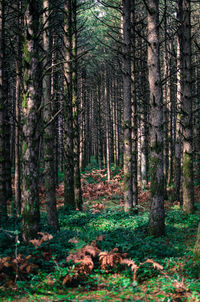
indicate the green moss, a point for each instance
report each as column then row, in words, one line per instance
column 27, row 54
column 187, row 169
column 25, row 146
column 157, row 185
column 47, row 136
column 48, row 185
column 28, row 182
column 157, row 147
column 26, row 214
column 152, row 10
column 24, row 100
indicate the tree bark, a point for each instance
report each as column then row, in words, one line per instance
column 48, row 139
column 197, row 245
column 18, row 114
column 107, row 117
column 68, row 115
column 128, row 189
column 3, row 205
column 188, row 186
column 157, row 215
column 75, row 102
column 177, row 161
column 31, row 124
column 134, row 112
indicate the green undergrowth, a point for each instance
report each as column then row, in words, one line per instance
column 93, row 170
column 128, row 233
column 177, row 281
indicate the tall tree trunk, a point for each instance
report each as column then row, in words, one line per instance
column 107, row 117
column 157, row 215
column 144, row 123
column 166, row 93
column 82, row 115
column 31, row 130
column 48, row 139
column 17, row 144
column 197, row 245
column 68, row 117
column 177, row 161
column 198, row 120
column 128, row 189
column 188, row 186
column 134, row 112
column 18, row 113
column 55, row 103
column 7, row 132
column 75, row 100
column 3, row 205
column 100, row 128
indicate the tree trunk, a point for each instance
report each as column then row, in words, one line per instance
column 68, row 117
column 48, row 139
column 197, row 245
column 188, row 186
column 128, row 189
column 31, row 118
column 177, row 161
column 107, row 117
column 157, row 215
column 3, row 205
column 76, row 137
column 7, row 96
column 18, row 114
column 134, row 119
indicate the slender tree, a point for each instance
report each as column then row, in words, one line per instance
column 75, row 102
column 48, row 139
column 3, row 206
column 157, row 215
column 17, row 110
column 107, row 120
column 31, row 125
column 177, row 160
column 128, row 190
column 134, row 109
column 188, row 185
column 68, row 114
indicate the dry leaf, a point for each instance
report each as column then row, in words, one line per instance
column 155, row 264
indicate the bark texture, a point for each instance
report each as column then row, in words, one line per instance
column 197, row 245
column 68, row 115
column 128, row 189
column 75, row 102
column 48, row 139
column 188, row 186
column 157, row 215
column 31, row 118
column 177, row 161
column 18, row 114
column 3, row 207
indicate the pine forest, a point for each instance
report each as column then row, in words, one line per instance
column 100, row 150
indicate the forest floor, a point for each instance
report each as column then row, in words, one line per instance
column 102, row 253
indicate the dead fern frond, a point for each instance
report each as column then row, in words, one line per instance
column 156, row 265
column 110, row 259
column 38, row 242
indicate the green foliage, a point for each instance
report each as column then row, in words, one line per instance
column 60, row 176
column 125, row 231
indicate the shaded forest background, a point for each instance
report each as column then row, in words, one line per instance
column 99, row 100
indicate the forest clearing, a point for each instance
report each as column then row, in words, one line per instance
column 99, row 150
